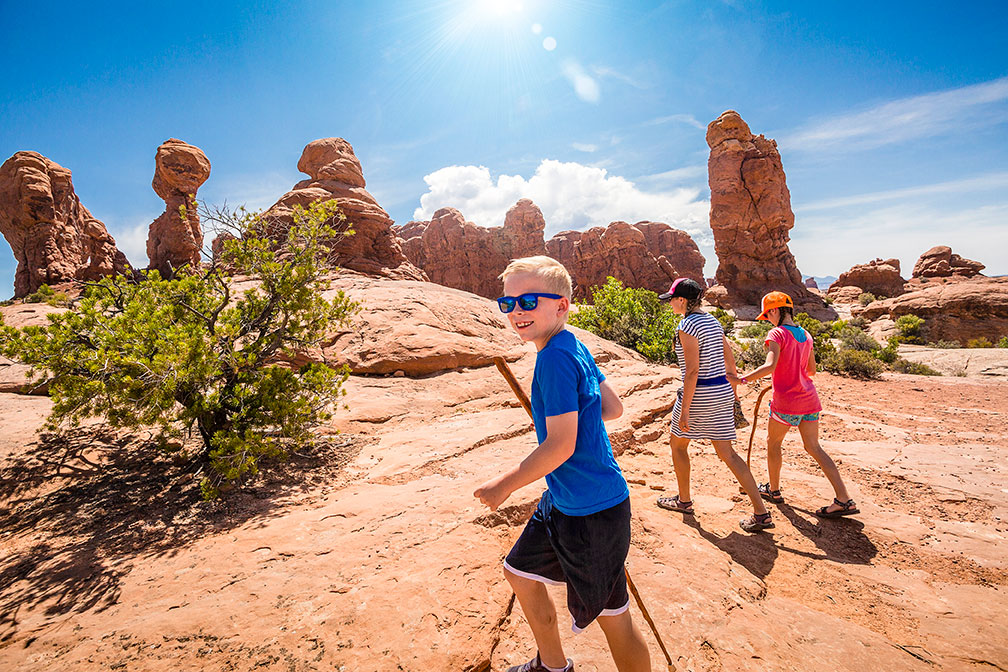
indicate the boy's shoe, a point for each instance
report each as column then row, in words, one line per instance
column 535, row 665
column 756, row 522
column 770, row 495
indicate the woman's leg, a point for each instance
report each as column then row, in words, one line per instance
column 681, row 464
column 739, row 467
column 775, row 437
column 809, row 431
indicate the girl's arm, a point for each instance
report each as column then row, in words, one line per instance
column 612, row 407
column 810, row 366
column 691, row 371
column 772, row 357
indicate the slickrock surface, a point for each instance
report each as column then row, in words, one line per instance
column 54, row 238
column 175, row 240
column 646, row 254
column 880, row 277
column 463, row 255
column 940, row 262
column 751, row 217
column 336, row 173
column 371, row 553
column 952, row 311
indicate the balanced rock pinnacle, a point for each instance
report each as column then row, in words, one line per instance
column 175, row 238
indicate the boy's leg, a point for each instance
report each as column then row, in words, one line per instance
column 809, row 431
column 681, row 464
column 626, row 644
column 776, row 432
column 739, row 467
column 541, row 616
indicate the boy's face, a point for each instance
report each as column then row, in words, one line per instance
column 545, row 320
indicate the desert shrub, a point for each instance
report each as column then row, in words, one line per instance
column 865, row 298
column 821, row 335
column 46, row 294
column 726, row 319
column 855, row 339
column 947, row 345
column 917, row 368
column 758, row 330
column 8, row 302
column 910, row 328
column 889, row 353
column 750, row 356
column 634, row 318
column 828, row 300
column 858, row 322
column 981, row 342
column 1003, row 342
column 186, row 357
column 852, row 363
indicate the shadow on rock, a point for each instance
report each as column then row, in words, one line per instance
column 839, row 539
column 78, row 510
column 756, row 552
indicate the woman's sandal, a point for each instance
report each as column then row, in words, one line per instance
column 756, row 522
column 848, row 508
column 675, row 504
column 770, row 495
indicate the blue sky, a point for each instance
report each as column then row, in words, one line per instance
column 892, row 118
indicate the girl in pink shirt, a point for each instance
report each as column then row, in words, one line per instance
column 791, row 362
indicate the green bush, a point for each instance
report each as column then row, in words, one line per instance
column 186, row 357
column 821, row 335
column 750, row 356
column 758, row 330
column 889, row 354
column 726, row 319
column 948, row 345
column 910, row 328
column 634, row 318
column 46, row 294
column 828, row 300
column 852, row 363
column 859, row 322
column 981, row 342
column 865, row 298
column 854, row 339
column 1003, row 342
column 917, row 368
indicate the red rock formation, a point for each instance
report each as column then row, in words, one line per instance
column 881, row 277
column 175, row 238
column 811, row 283
column 54, row 238
column 647, row 254
column 939, row 262
column 336, row 174
column 751, row 216
column 463, row 255
column 956, row 311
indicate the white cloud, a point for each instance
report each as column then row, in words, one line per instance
column 604, row 71
column 971, row 184
column 584, row 146
column 686, row 173
column 586, row 88
column 677, row 118
column 570, row 195
column 906, row 119
column 131, row 239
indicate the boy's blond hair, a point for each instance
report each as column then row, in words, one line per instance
column 554, row 276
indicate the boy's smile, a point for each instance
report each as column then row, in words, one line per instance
column 544, row 321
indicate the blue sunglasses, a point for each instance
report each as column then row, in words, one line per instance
column 526, row 301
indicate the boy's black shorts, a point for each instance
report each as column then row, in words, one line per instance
column 587, row 553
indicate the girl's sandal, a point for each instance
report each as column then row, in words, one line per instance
column 675, row 504
column 756, row 522
column 848, row 508
column 766, row 493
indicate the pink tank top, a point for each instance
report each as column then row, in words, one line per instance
column 793, row 390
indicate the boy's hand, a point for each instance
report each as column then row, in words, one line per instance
column 493, row 493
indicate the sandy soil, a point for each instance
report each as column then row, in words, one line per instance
column 369, row 553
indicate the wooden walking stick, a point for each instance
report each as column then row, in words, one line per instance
column 752, row 433
column 523, row 399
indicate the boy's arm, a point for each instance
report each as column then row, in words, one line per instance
column 561, row 436
column 612, row 407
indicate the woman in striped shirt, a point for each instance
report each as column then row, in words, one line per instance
column 704, row 404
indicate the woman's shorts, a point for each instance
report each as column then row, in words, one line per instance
column 587, row 553
column 794, row 420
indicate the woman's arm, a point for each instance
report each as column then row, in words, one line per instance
column 612, row 407
column 691, row 371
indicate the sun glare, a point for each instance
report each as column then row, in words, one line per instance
column 500, row 7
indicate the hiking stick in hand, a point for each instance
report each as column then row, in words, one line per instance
column 523, row 399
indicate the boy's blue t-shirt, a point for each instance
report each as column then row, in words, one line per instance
column 567, row 379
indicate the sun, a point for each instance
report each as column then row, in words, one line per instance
column 500, row 8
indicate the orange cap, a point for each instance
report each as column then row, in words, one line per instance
column 775, row 300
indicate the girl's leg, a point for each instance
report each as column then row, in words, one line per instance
column 541, row 616
column 739, row 467
column 680, row 462
column 775, row 437
column 810, row 437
